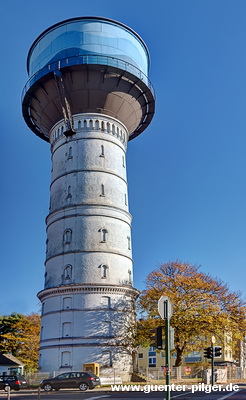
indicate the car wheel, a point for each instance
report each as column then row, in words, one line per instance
column 83, row 386
column 48, row 387
column 7, row 387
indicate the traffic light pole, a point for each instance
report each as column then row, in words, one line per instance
column 212, row 365
column 167, row 328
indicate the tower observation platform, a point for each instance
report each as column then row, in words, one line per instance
column 88, row 94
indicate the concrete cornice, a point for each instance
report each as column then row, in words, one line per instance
column 87, row 288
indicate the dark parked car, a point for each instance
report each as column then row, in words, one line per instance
column 15, row 382
column 75, row 380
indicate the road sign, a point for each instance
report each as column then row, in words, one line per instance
column 165, row 307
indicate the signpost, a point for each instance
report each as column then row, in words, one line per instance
column 165, row 311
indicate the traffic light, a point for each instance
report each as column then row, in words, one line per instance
column 217, row 351
column 208, row 352
column 157, row 338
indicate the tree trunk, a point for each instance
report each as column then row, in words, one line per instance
column 179, row 358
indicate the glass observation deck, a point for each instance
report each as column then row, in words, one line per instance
column 88, row 36
column 87, row 43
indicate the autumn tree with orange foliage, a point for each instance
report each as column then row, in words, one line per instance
column 19, row 336
column 202, row 306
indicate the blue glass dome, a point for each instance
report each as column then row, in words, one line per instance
column 88, row 36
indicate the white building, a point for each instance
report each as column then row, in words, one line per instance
column 87, row 103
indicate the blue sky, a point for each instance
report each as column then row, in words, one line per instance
column 186, row 172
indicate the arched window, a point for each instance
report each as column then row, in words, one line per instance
column 104, row 271
column 105, row 301
column 66, row 329
column 67, row 303
column 104, row 234
column 67, row 273
column 66, row 359
column 67, row 236
column 79, row 124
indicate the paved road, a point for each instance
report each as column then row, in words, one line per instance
column 103, row 395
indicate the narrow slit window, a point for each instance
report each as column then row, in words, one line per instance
column 123, row 161
column 102, row 151
column 130, row 276
column 69, row 192
column 70, row 152
column 102, row 191
column 125, row 199
column 129, row 242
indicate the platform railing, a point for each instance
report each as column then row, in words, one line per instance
column 88, row 59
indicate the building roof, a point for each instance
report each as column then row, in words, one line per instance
column 9, row 359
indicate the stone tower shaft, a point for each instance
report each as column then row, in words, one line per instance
column 88, row 95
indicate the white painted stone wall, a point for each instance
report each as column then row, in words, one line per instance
column 88, row 298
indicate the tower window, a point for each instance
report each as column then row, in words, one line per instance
column 70, row 152
column 107, row 359
column 66, row 329
column 130, row 276
column 129, row 242
column 67, row 273
column 67, row 236
column 125, row 199
column 67, row 303
column 69, row 192
column 106, row 301
column 66, row 359
column 104, row 234
column 104, row 271
column 123, row 161
column 102, row 151
column 107, row 328
column 102, row 191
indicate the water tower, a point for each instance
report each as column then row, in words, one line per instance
column 88, row 95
